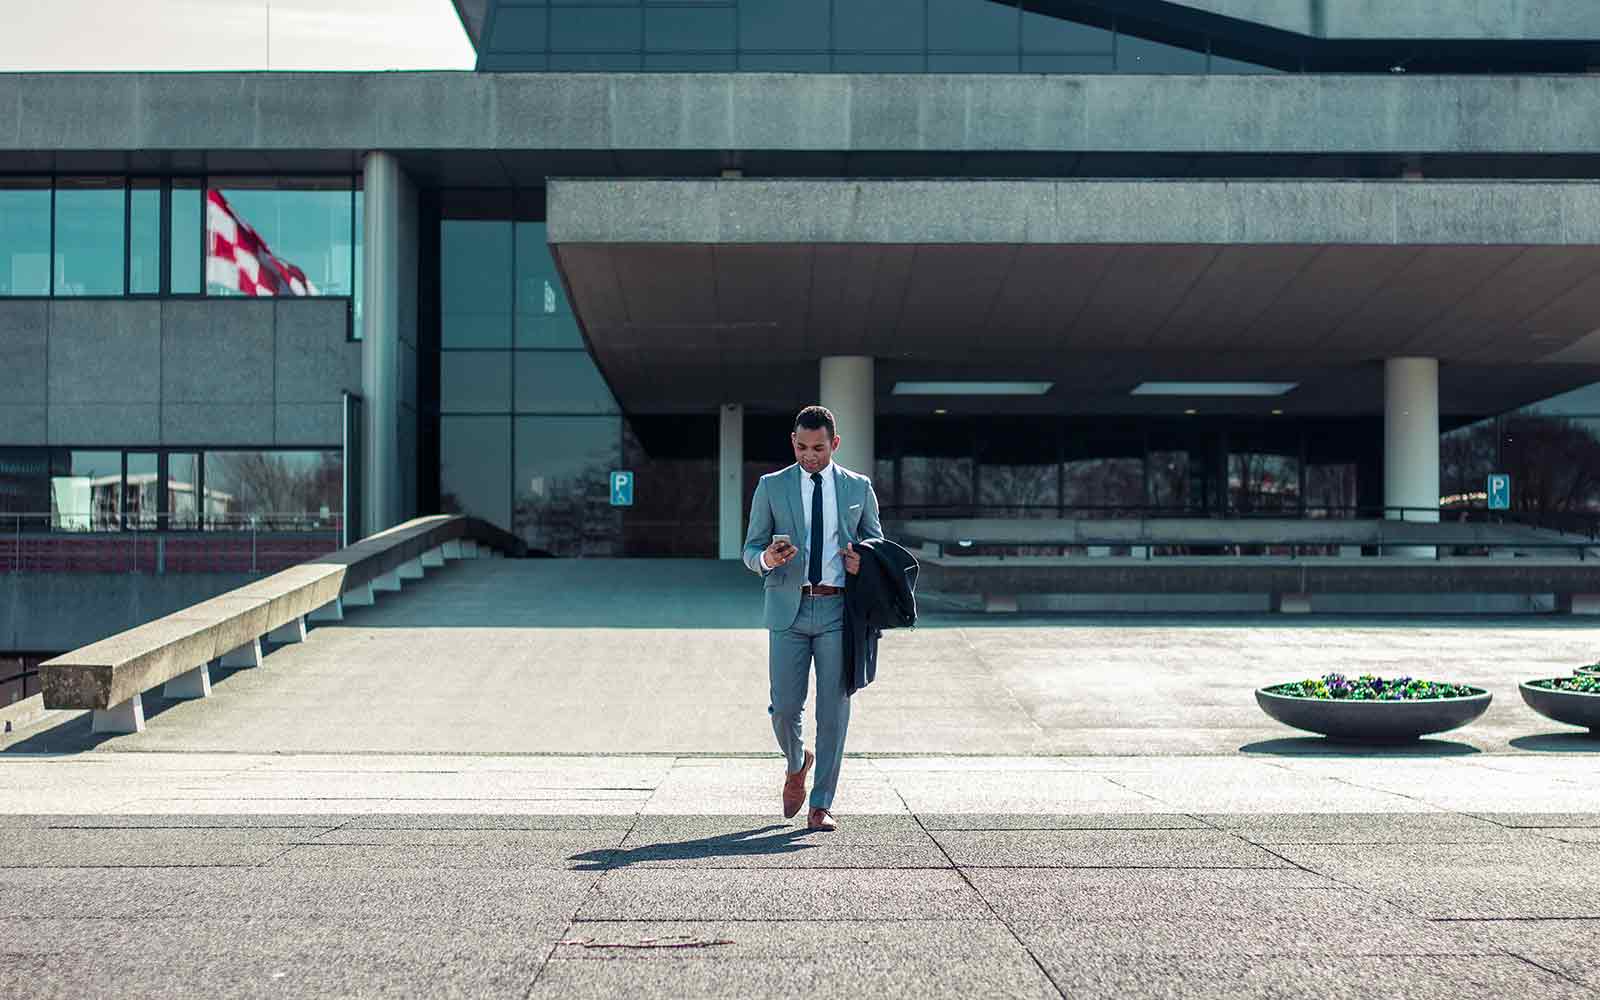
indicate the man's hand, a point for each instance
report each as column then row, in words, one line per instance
column 852, row 559
column 779, row 553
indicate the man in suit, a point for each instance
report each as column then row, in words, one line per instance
column 824, row 510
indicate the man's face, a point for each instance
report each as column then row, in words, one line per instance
column 812, row 448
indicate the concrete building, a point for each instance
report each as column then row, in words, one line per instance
column 1046, row 259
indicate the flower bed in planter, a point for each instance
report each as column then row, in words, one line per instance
column 1574, row 700
column 1373, row 709
column 1592, row 670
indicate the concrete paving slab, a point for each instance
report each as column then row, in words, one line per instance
column 490, row 850
column 119, row 893
column 1071, row 821
column 676, row 894
column 469, row 898
column 1531, row 878
column 1360, row 828
column 1348, row 923
column 278, row 976
column 113, row 848
column 471, row 821
column 876, row 842
column 1103, row 849
column 1537, row 820
column 862, row 967
column 1353, row 978
column 1044, row 894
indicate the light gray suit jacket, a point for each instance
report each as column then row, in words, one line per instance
column 776, row 510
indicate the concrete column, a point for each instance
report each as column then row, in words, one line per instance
column 848, row 390
column 380, row 346
column 730, row 482
column 1411, row 443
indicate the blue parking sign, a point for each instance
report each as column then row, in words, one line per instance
column 1499, row 491
column 622, row 489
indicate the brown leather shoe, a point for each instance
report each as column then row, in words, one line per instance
column 821, row 819
column 794, row 788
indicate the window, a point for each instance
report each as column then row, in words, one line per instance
column 141, row 492
column 782, row 25
column 144, row 237
column 183, row 489
column 544, row 319
column 475, row 283
column 689, row 29
column 90, row 219
column 972, row 26
column 24, row 237
column 475, row 467
column 85, row 490
column 563, row 501
column 595, row 29
column 184, row 242
column 24, row 481
column 277, row 490
column 879, row 26
column 306, row 224
column 560, row 382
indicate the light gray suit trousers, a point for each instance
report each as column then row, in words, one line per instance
column 803, row 631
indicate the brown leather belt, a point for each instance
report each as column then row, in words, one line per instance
column 820, row 590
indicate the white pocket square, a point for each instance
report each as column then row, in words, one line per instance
column 854, row 506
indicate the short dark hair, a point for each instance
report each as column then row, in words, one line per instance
column 815, row 418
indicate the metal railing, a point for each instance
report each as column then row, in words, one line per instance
column 219, row 543
column 1570, row 522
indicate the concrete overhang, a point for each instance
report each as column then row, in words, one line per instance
column 492, row 114
column 1463, row 20
column 694, row 292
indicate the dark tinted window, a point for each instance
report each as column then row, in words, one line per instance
column 882, row 25
column 668, row 29
column 1045, row 32
column 594, row 62
column 783, row 24
column 784, row 62
column 692, row 62
column 879, row 62
column 1141, row 55
column 595, row 29
column 945, row 62
column 519, row 29
column 475, row 283
column 971, row 25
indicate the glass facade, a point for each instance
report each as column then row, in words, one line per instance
column 1082, row 467
column 821, row 36
column 528, row 431
column 117, row 236
column 307, row 223
column 25, row 207
column 148, row 489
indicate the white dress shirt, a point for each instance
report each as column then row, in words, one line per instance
column 832, row 561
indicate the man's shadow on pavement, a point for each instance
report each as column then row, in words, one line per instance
column 724, row 845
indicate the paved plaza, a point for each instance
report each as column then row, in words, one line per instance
column 489, row 787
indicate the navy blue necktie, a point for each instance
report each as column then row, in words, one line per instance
column 814, row 571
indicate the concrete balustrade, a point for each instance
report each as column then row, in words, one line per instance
column 109, row 676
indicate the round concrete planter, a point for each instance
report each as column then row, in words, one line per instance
column 1593, row 670
column 1572, row 707
column 1373, row 721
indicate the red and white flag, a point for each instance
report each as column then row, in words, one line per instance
column 238, row 258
